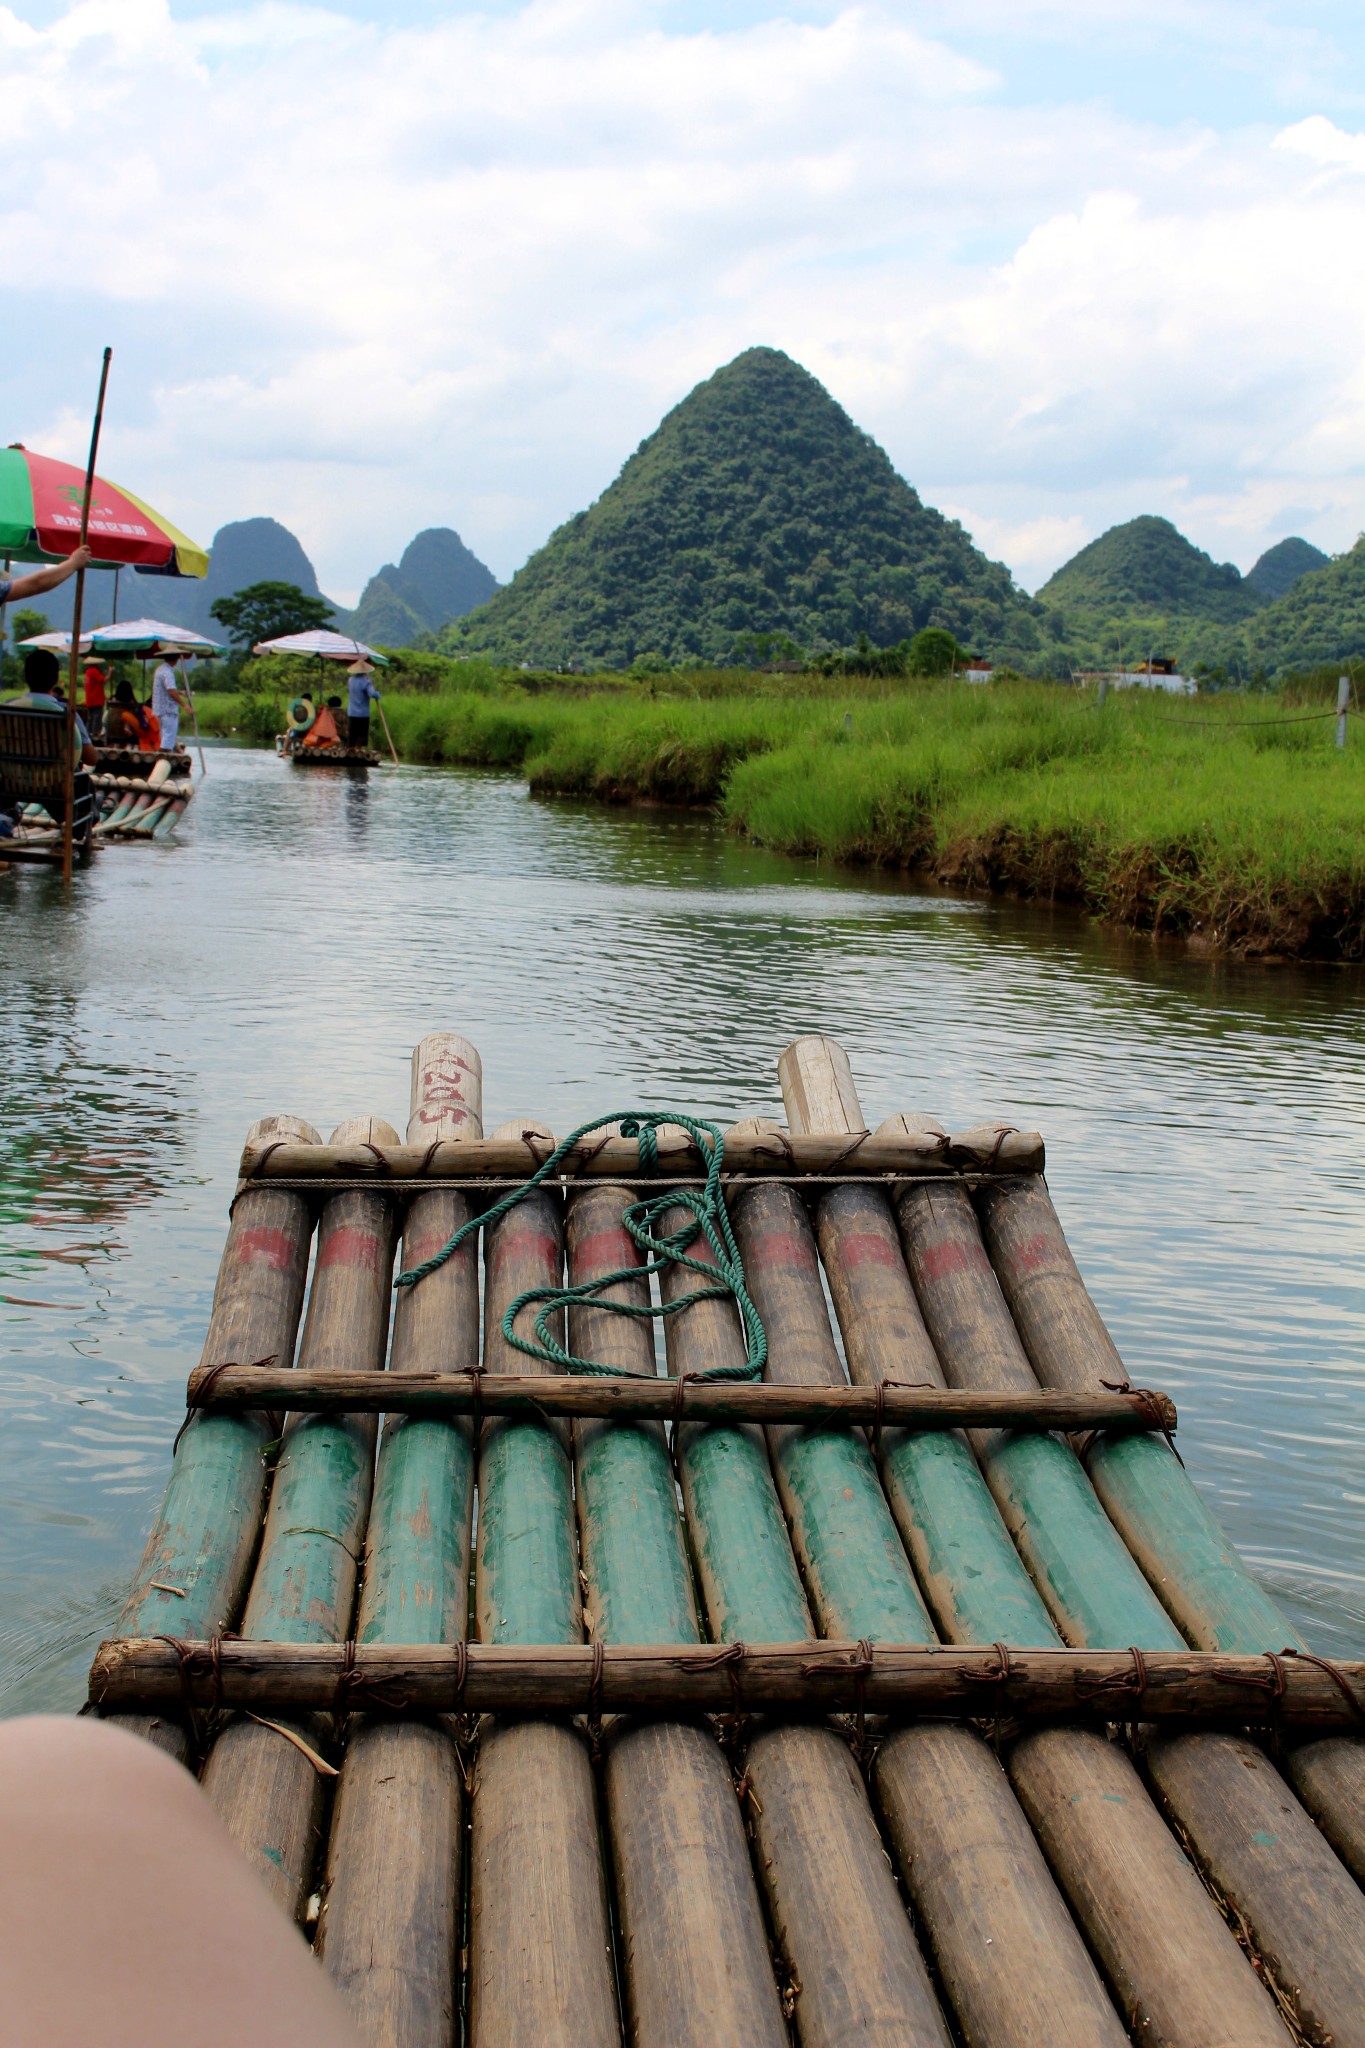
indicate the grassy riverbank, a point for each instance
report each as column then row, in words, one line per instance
column 1212, row 818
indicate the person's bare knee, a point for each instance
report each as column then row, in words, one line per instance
column 129, row 1915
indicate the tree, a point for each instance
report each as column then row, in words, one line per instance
column 267, row 611
column 933, row 652
column 27, row 625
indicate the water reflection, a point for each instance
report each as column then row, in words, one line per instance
column 1204, row 1119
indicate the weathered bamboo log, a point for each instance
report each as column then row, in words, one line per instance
column 1007, row 1954
column 266, row 1788
column 976, row 1585
column 194, row 1570
column 389, row 1928
column 852, row 1560
column 1093, row 1589
column 1329, row 1777
column 1091, row 1843
column 1302, row 1911
column 832, row 1899
column 698, row 1678
column 1171, row 1961
column 1147, row 1494
column 539, row 1941
column 695, row 1957
column 462, row 1392
column 613, row 1159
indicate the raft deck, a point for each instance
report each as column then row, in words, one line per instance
column 909, row 1696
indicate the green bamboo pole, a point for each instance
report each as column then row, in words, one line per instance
column 540, row 1940
column 973, row 1578
column 1165, row 1951
column 197, row 1562
column 832, row 1899
column 389, row 1930
column 266, row 1787
column 852, row 1560
column 1147, row 1493
column 694, row 1949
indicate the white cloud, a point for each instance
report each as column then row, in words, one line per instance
column 367, row 278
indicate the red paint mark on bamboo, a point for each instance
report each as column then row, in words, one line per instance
column 602, row 1251
column 867, row 1248
column 774, row 1249
column 511, row 1244
column 949, row 1256
column 349, row 1246
column 264, row 1246
column 1038, row 1254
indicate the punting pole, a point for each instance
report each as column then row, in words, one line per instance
column 267, row 1789
column 68, row 826
column 389, row 1929
column 846, row 1941
column 540, row 1937
column 694, row 1948
column 194, row 1570
column 1008, row 1957
column 1167, row 1956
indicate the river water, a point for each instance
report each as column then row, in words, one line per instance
column 1205, row 1120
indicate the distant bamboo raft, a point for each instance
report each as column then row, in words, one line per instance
column 936, row 1598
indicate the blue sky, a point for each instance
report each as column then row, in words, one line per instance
column 370, row 270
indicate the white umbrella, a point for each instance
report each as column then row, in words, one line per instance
column 60, row 643
column 327, row 646
column 151, row 636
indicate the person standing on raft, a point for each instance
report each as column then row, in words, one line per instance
column 166, row 701
column 361, row 695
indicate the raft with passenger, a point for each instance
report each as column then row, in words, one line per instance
column 312, row 739
column 872, row 1670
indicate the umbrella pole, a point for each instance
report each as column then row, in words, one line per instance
column 69, row 823
column 379, row 706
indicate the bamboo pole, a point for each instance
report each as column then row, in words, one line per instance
column 540, row 1939
column 1174, row 1967
column 832, row 1899
column 389, row 1927
column 387, row 734
column 266, row 1787
column 1093, row 1589
column 615, row 1158
column 73, row 664
column 1147, row 1494
column 1173, row 1935
column 976, row 1585
column 1329, row 1777
column 460, row 1393
column 852, row 1560
column 694, row 1950
column 1302, row 1911
column 197, row 1561
column 655, row 1677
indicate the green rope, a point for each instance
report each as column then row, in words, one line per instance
column 707, row 1217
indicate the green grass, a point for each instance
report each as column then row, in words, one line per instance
column 1190, row 817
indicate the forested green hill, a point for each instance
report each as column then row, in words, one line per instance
column 1321, row 620
column 1147, row 570
column 757, row 507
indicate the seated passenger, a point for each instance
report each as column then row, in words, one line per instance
column 323, row 731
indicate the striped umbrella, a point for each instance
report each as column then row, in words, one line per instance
column 40, row 520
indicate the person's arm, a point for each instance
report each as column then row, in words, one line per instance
column 48, row 578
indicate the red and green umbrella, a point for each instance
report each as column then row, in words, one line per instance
column 40, row 520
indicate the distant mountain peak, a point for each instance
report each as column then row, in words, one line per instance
column 437, row 579
column 1146, row 568
column 1282, row 566
column 756, row 506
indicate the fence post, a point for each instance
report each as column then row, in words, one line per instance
column 1343, row 699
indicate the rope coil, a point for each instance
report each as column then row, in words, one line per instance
column 707, row 1218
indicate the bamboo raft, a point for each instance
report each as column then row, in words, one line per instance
column 910, row 1697
column 142, row 805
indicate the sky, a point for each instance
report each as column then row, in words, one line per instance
column 369, row 268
